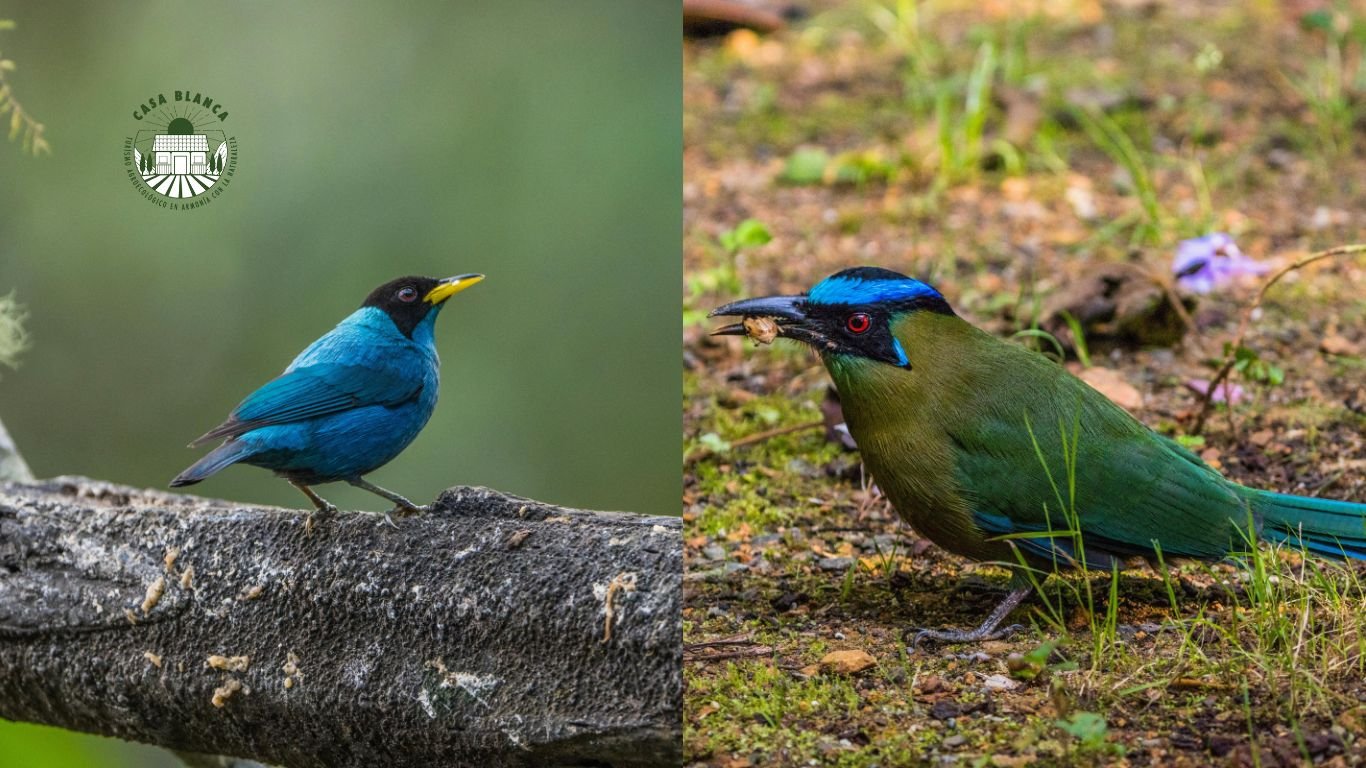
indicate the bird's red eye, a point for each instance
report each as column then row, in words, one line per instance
column 859, row 322
column 407, row 293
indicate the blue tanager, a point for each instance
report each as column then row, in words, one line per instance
column 349, row 403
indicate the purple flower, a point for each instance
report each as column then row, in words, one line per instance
column 1224, row 393
column 1203, row 264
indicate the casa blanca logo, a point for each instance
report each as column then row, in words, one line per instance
column 180, row 157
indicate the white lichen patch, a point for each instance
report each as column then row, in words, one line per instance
column 456, row 557
column 425, row 699
column 356, row 672
column 477, row 686
column 515, row 736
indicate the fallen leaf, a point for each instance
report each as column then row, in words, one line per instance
column 1339, row 345
column 1111, row 383
column 1211, row 457
column 999, row 683
column 847, row 662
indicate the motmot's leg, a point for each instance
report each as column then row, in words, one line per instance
column 401, row 505
column 987, row 631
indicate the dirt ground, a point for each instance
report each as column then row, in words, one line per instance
column 1022, row 157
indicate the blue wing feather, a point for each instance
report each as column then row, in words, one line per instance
column 317, row 390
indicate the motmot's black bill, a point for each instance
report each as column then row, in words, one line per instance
column 787, row 312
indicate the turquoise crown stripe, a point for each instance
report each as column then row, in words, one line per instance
column 845, row 290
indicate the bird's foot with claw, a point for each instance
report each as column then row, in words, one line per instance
column 409, row 510
column 319, row 514
column 979, row 635
column 401, row 510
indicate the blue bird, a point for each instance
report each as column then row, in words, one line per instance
column 349, row 403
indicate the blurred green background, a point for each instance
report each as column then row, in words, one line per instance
column 536, row 142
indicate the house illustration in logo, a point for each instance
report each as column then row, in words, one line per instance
column 180, row 150
column 180, row 163
column 179, row 157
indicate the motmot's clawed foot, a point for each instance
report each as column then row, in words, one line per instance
column 990, row 629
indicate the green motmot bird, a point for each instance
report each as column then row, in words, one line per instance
column 981, row 444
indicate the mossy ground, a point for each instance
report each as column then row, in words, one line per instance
column 1234, row 126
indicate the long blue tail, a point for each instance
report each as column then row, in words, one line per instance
column 230, row 452
column 1324, row 526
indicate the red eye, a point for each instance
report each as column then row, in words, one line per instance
column 859, row 322
column 407, row 293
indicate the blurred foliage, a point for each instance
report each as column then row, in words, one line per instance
column 13, row 339
column 537, row 143
column 21, row 123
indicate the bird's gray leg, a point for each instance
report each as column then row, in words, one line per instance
column 319, row 503
column 987, row 631
column 321, row 507
column 401, row 505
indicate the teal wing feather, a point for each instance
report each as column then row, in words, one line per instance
column 317, row 390
column 1129, row 486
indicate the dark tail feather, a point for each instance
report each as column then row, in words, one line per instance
column 230, row 452
column 1324, row 526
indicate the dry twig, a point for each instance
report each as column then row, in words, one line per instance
column 1231, row 357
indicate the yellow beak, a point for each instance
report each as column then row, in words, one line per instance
column 451, row 286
